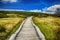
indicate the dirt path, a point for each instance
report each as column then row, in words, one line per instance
column 28, row 31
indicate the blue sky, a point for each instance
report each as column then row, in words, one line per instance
column 27, row 4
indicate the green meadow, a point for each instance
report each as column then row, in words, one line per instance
column 49, row 24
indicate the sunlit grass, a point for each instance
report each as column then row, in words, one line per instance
column 9, row 22
column 11, row 25
column 50, row 26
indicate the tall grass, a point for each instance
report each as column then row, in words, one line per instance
column 50, row 26
column 10, row 25
column 10, row 20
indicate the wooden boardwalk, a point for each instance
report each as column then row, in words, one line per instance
column 27, row 32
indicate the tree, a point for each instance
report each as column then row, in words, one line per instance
column 2, row 29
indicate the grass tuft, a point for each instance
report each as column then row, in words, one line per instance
column 50, row 26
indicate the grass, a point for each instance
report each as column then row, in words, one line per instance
column 11, row 25
column 9, row 22
column 16, row 15
column 50, row 26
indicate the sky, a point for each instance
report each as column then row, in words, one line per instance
column 32, row 5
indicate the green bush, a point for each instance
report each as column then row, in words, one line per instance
column 58, row 34
column 3, row 15
column 2, row 29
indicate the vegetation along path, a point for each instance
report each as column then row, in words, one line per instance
column 28, row 31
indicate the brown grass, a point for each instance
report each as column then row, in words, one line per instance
column 49, row 26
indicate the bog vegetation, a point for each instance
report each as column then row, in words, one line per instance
column 9, row 23
column 50, row 26
column 11, row 20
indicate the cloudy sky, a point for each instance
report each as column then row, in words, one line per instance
column 35, row 5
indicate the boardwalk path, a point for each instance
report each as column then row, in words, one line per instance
column 27, row 32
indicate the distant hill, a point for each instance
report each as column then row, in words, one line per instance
column 57, row 12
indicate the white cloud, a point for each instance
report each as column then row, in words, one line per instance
column 13, row 0
column 53, row 8
column 22, row 10
column 9, row 0
column 5, row 0
column 11, row 10
column 36, row 10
